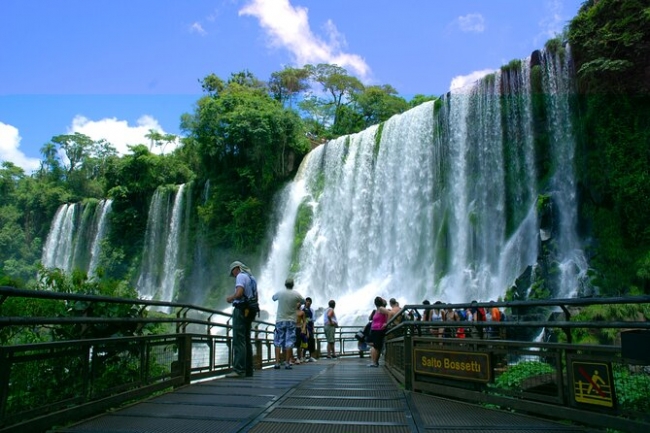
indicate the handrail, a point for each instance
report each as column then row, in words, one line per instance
column 555, row 374
column 180, row 356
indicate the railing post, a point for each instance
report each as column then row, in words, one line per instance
column 5, row 368
column 184, row 366
column 408, row 359
column 257, row 358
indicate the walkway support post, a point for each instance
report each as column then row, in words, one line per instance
column 185, row 358
column 408, row 359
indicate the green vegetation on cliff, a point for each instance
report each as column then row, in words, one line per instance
column 611, row 47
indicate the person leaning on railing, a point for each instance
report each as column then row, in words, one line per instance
column 378, row 330
column 330, row 322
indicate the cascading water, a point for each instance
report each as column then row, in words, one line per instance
column 557, row 84
column 105, row 208
column 162, row 261
column 74, row 241
column 57, row 252
column 439, row 203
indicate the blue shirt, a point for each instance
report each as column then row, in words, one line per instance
column 243, row 280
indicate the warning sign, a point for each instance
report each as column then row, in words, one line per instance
column 593, row 383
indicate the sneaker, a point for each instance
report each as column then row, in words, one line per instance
column 276, row 366
column 311, row 360
column 288, row 367
column 235, row 375
column 373, row 365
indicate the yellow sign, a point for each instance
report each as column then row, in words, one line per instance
column 593, row 383
column 458, row 365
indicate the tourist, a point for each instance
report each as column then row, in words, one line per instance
column 311, row 340
column 330, row 323
column 301, row 334
column 285, row 323
column 242, row 318
column 378, row 330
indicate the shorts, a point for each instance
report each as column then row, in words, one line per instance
column 329, row 333
column 377, row 338
column 285, row 334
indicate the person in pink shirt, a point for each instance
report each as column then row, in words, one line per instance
column 378, row 330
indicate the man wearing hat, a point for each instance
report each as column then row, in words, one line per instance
column 285, row 322
column 245, row 288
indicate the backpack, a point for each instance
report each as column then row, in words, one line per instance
column 462, row 314
column 252, row 304
column 480, row 314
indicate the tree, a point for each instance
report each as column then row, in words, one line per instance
column 76, row 147
column 421, row 99
column 212, row 85
column 248, row 145
column 154, row 138
column 50, row 165
column 246, row 78
column 378, row 103
column 610, row 40
column 286, row 84
column 337, row 83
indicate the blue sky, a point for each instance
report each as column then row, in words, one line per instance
column 114, row 69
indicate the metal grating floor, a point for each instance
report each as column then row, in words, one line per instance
column 330, row 396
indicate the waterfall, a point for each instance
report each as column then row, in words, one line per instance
column 105, row 208
column 438, row 203
column 57, row 252
column 171, row 270
column 161, row 267
column 74, row 240
column 557, row 85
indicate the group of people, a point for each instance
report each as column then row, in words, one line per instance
column 294, row 327
column 294, row 324
column 375, row 330
column 472, row 314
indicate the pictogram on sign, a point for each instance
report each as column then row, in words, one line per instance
column 593, row 383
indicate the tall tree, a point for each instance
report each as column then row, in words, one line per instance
column 76, row 148
column 336, row 82
column 286, row 84
column 378, row 103
column 154, row 137
column 246, row 142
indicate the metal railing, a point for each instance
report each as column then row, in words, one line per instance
column 603, row 385
column 49, row 383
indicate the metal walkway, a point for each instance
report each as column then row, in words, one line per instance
column 322, row 397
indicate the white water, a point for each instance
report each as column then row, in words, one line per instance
column 57, row 251
column 432, row 213
column 104, row 210
column 74, row 240
column 160, row 269
column 171, row 269
column 443, row 207
column 573, row 262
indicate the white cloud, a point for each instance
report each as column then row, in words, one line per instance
column 288, row 27
column 461, row 81
column 471, row 23
column 197, row 28
column 119, row 133
column 9, row 149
